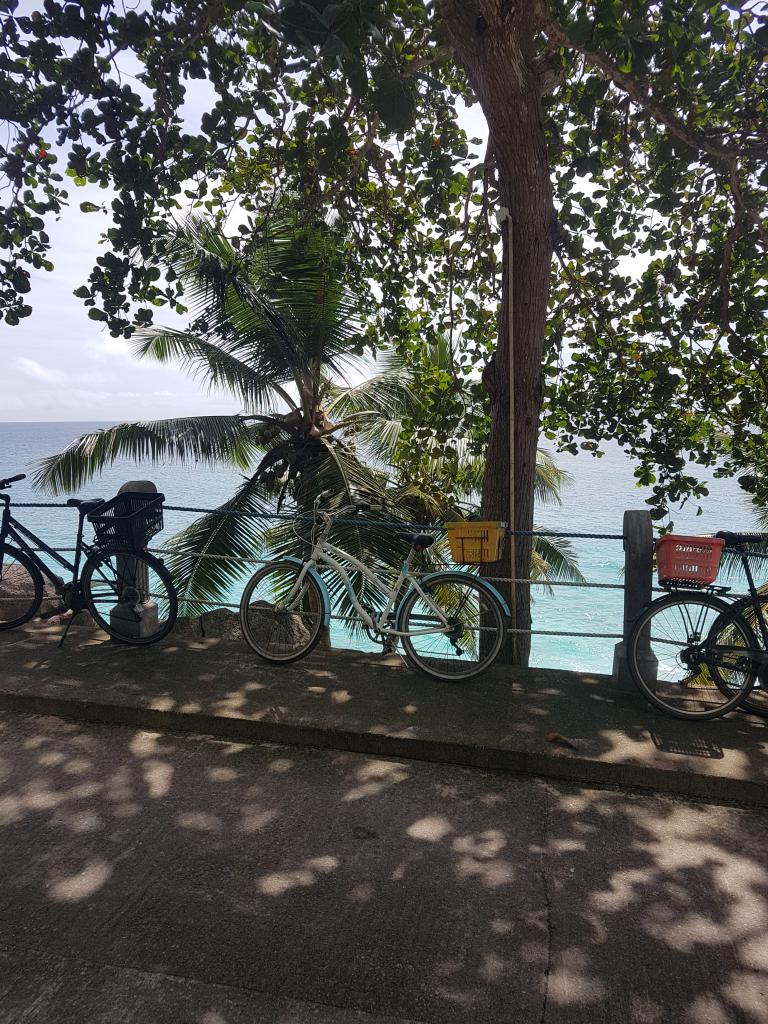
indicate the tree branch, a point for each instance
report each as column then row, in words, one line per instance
column 734, row 232
column 640, row 94
column 726, row 155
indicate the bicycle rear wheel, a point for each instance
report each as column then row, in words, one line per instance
column 678, row 666
column 130, row 594
column 21, row 588
column 281, row 626
column 477, row 625
column 756, row 701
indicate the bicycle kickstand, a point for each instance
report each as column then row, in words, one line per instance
column 67, row 629
column 390, row 647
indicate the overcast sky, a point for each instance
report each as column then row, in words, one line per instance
column 59, row 365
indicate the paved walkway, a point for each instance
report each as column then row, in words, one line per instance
column 349, row 701
column 156, row 879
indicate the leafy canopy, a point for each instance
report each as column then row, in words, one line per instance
column 655, row 117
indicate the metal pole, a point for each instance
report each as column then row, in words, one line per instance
column 508, row 242
column 638, row 591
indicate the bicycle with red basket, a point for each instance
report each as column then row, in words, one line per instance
column 694, row 653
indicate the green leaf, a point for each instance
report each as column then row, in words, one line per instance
column 393, row 100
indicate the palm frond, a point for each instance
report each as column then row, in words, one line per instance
column 389, row 391
column 756, row 552
column 212, row 364
column 549, row 479
column 301, row 274
column 206, row 557
column 224, row 440
column 553, row 558
column 203, row 259
column 225, row 292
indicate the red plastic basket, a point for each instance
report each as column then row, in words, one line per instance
column 690, row 561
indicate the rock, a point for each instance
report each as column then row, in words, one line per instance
column 16, row 590
column 188, row 625
column 282, row 627
column 285, row 627
column 220, row 622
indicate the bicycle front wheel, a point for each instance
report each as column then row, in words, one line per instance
column 130, row 594
column 680, row 668
column 21, row 588
column 455, row 629
column 281, row 618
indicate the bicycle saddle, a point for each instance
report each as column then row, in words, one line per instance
column 85, row 505
column 421, row 541
column 733, row 540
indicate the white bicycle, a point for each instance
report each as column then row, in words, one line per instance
column 451, row 624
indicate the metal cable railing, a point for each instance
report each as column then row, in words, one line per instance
column 395, row 526
column 392, row 524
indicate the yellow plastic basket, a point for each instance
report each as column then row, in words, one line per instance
column 475, row 543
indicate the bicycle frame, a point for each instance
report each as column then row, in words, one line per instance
column 754, row 601
column 328, row 555
column 27, row 541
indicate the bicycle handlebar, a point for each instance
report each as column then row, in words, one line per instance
column 12, row 480
column 736, row 539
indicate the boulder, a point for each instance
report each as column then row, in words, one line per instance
column 221, row 622
column 282, row 627
column 188, row 626
column 16, row 589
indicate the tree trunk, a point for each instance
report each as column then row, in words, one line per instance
column 494, row 42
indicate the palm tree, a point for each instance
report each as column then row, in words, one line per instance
column 275, row 327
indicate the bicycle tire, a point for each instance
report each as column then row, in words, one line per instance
column 252, row 625
column 152, row 564
column 36, row 577
column 643, row 671
column 494, row 608
column 756, row 701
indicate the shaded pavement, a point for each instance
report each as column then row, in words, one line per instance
column 166, row 879
column 353, row 701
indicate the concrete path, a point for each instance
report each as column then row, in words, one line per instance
column 152, row 879
column 352, row 701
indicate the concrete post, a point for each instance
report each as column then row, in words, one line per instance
column 638, row 584
column 134, row 574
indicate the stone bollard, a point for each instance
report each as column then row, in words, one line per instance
column 638, row 584
column 134, row 574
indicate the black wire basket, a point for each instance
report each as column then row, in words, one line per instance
column 131, row 518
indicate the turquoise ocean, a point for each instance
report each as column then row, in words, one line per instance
column 593, row 502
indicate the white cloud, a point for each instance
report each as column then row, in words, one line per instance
column 105, row 349
column 35, row 371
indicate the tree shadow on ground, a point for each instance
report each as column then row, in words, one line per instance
column 170, row 879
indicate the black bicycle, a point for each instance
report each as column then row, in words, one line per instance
column 128, row 592
column 700, row 655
